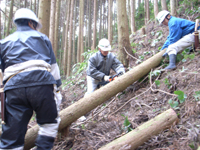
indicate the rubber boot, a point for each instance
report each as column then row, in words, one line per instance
column 44, row 142
column 172, row 62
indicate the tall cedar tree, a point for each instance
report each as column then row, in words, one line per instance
column 123, row 33
column 44, row 16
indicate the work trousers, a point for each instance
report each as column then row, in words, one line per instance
column 181, row 44
column 20, row 104
column 92, row 85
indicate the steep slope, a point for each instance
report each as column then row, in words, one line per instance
column 142, row 101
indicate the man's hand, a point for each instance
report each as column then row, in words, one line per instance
column 106, row 78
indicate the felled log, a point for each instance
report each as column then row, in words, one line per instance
column 142, row 133
column 91, row 101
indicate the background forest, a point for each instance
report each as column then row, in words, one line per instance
column 75, row 27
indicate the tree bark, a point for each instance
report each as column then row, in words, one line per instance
column 95, row 25
column 142, row 133
column 147, row 16
column 80, row 49
column 110, row 20
column 66, row 39
column 44, row 15
column 10, row 18
column 173, row 7
column 100, row 20
column 89, row 24
column 56, row 27
column 132, row 3
column 74, row 39
column 164, row 5
column 35, row 7
column 155, row 8
column 0, row 21
column 86, row 104
column 69, row 61
column 52, row 24
column 123, row 33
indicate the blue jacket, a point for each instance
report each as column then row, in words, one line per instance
column 177, row 29
column 22, row 50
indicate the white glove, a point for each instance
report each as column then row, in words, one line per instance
column 106, row 78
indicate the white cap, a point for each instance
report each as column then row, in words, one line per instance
column 104, row 45
column 25, row 13
column 161, row 16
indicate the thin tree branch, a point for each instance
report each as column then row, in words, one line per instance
column 4, row 13
column 131, row 55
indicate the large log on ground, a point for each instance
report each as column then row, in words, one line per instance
column 86, row 104
column 142, row 133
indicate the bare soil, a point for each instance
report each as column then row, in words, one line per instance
column 144, row 99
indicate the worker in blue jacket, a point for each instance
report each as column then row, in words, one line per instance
column 180, row 36
column 31, row 83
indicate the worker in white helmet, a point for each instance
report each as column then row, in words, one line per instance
column 31, row 79
column 99, row 66
column 180, row 36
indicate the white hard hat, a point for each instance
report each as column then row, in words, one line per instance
column 24, row 13
column 104, row 45
column 161, row 16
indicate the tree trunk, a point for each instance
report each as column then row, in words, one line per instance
column 132, row 16
column 89, row 24
column 147, row 16
column 56, row 28
column 37, row 10
column 110, row 20
column 63, row 3
column 25, row 4
column 164, row 5
column 95, row 25
column 10, row 18
column 5, row 19
column 173, row 7
column 31, row 5
column 155, row 8
column 74, row 38
column 82, row 31
column 44, row 16
column 141, row 134
column 69, row 61
column 66, row 39
column 100, row 20
column 35, row 7
column 80, row 36
column 139, row 2
column 129, row 13
column 0, row 21
column 123, row 34
column 86, row 104
column 52, row 24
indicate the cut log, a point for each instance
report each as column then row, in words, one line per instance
column 198, row 148
column 142, row 133
column 91, row 101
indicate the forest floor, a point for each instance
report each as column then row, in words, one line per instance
column 106, row 126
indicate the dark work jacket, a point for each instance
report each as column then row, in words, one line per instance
column 99, row 65
column 23, row 46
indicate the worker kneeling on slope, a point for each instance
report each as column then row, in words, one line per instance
column 180, row 36
column 31, row 80
column 99, row 66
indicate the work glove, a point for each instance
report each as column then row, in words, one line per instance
column 106, row 78
column 119, row 74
